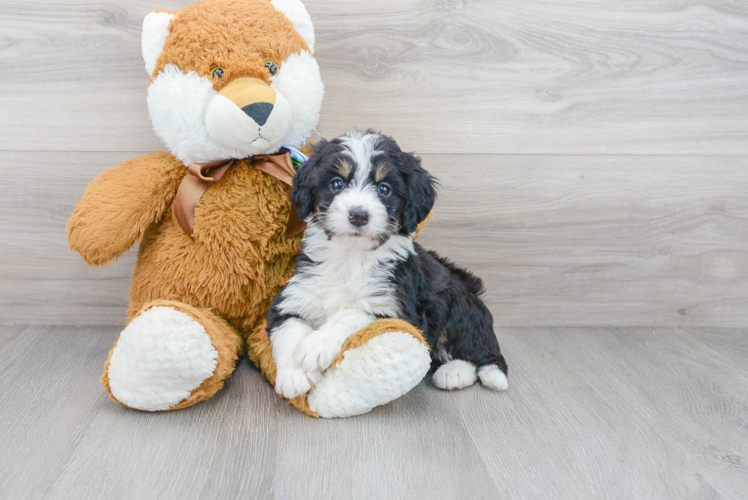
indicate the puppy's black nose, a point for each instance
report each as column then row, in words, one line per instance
column 358, row 217
column 259, row 112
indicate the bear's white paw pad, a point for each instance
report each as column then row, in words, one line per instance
column 160, row 358
column 291, row 382
column 454, row 375
column 383, row 369
column 493, row 378
column 315, row 352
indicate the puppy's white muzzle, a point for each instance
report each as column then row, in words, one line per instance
column 357, row 199
column 248, row 115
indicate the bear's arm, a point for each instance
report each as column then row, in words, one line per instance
column 120, row 204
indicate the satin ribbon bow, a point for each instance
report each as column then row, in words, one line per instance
column 203, row 175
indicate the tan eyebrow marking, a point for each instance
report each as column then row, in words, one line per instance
column 381, row 173
column 344, row 169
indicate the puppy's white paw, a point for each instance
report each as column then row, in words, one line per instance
column 316, row 352
column 454, row 375
column 291, row 382
column 493, row 378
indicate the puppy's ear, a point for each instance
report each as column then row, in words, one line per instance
column 302, row 193
column 420, row 193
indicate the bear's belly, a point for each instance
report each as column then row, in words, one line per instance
column 237, row 259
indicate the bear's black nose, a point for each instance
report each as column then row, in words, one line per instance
column 358, row 217
column 259, row 111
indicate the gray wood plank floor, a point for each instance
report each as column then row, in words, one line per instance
column 590, row 413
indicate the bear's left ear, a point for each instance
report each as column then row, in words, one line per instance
column 295, row 11
column 155, row 31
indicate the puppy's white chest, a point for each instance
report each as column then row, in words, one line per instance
column 339, row 279
column 353, row 281
column 356, row 282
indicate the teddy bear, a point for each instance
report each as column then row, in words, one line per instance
column 234, row 94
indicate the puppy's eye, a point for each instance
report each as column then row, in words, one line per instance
column 337, row 184
column 272, row 67
column 384, row 190
column 217, row 73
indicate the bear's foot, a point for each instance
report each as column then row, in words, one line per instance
column 377, row 365
column 169, row 357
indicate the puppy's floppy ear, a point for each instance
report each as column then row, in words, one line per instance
column 302, row 194
column 420, row 193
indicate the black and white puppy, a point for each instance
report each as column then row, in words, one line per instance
column 362, row 198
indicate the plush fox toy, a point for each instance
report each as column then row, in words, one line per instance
column 234, row 92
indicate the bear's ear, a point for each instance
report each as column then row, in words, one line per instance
column 295, row 11
column 155, row 31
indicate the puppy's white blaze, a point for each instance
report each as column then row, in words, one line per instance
column 360, row 147
column 493, row 378
column 456, row 374
column 340, row 278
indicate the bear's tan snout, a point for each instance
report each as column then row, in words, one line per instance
column 249, row 116
column 247, row 92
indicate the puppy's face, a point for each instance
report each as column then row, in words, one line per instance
column 361, row 189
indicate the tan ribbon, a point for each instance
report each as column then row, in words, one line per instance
column 203, row 175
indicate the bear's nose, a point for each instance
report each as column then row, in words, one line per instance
column 259, row 111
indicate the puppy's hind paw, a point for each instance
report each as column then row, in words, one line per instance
column 493, row 378
column 455, row 375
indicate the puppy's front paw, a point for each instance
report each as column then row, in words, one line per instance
column 316, row 352
column 291, row 382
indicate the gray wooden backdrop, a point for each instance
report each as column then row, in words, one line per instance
column 593, row 154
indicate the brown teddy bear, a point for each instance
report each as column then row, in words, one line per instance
column 234, row 91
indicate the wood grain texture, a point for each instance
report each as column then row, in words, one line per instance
column 443, row 76
column 559, row 240
column 654, row 413
column 608, row 237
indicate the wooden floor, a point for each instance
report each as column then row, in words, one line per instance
column 590, row 413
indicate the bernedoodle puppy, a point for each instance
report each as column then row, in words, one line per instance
column 362, row 198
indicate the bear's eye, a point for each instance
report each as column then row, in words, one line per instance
column 336, row 184
column 384, row 190
column 272, row 67
column 217, row 73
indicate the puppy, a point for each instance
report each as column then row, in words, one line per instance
column 362, row 198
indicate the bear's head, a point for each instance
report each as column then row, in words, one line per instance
column 232, row 78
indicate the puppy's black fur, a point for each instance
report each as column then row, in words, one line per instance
column 443, row 301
